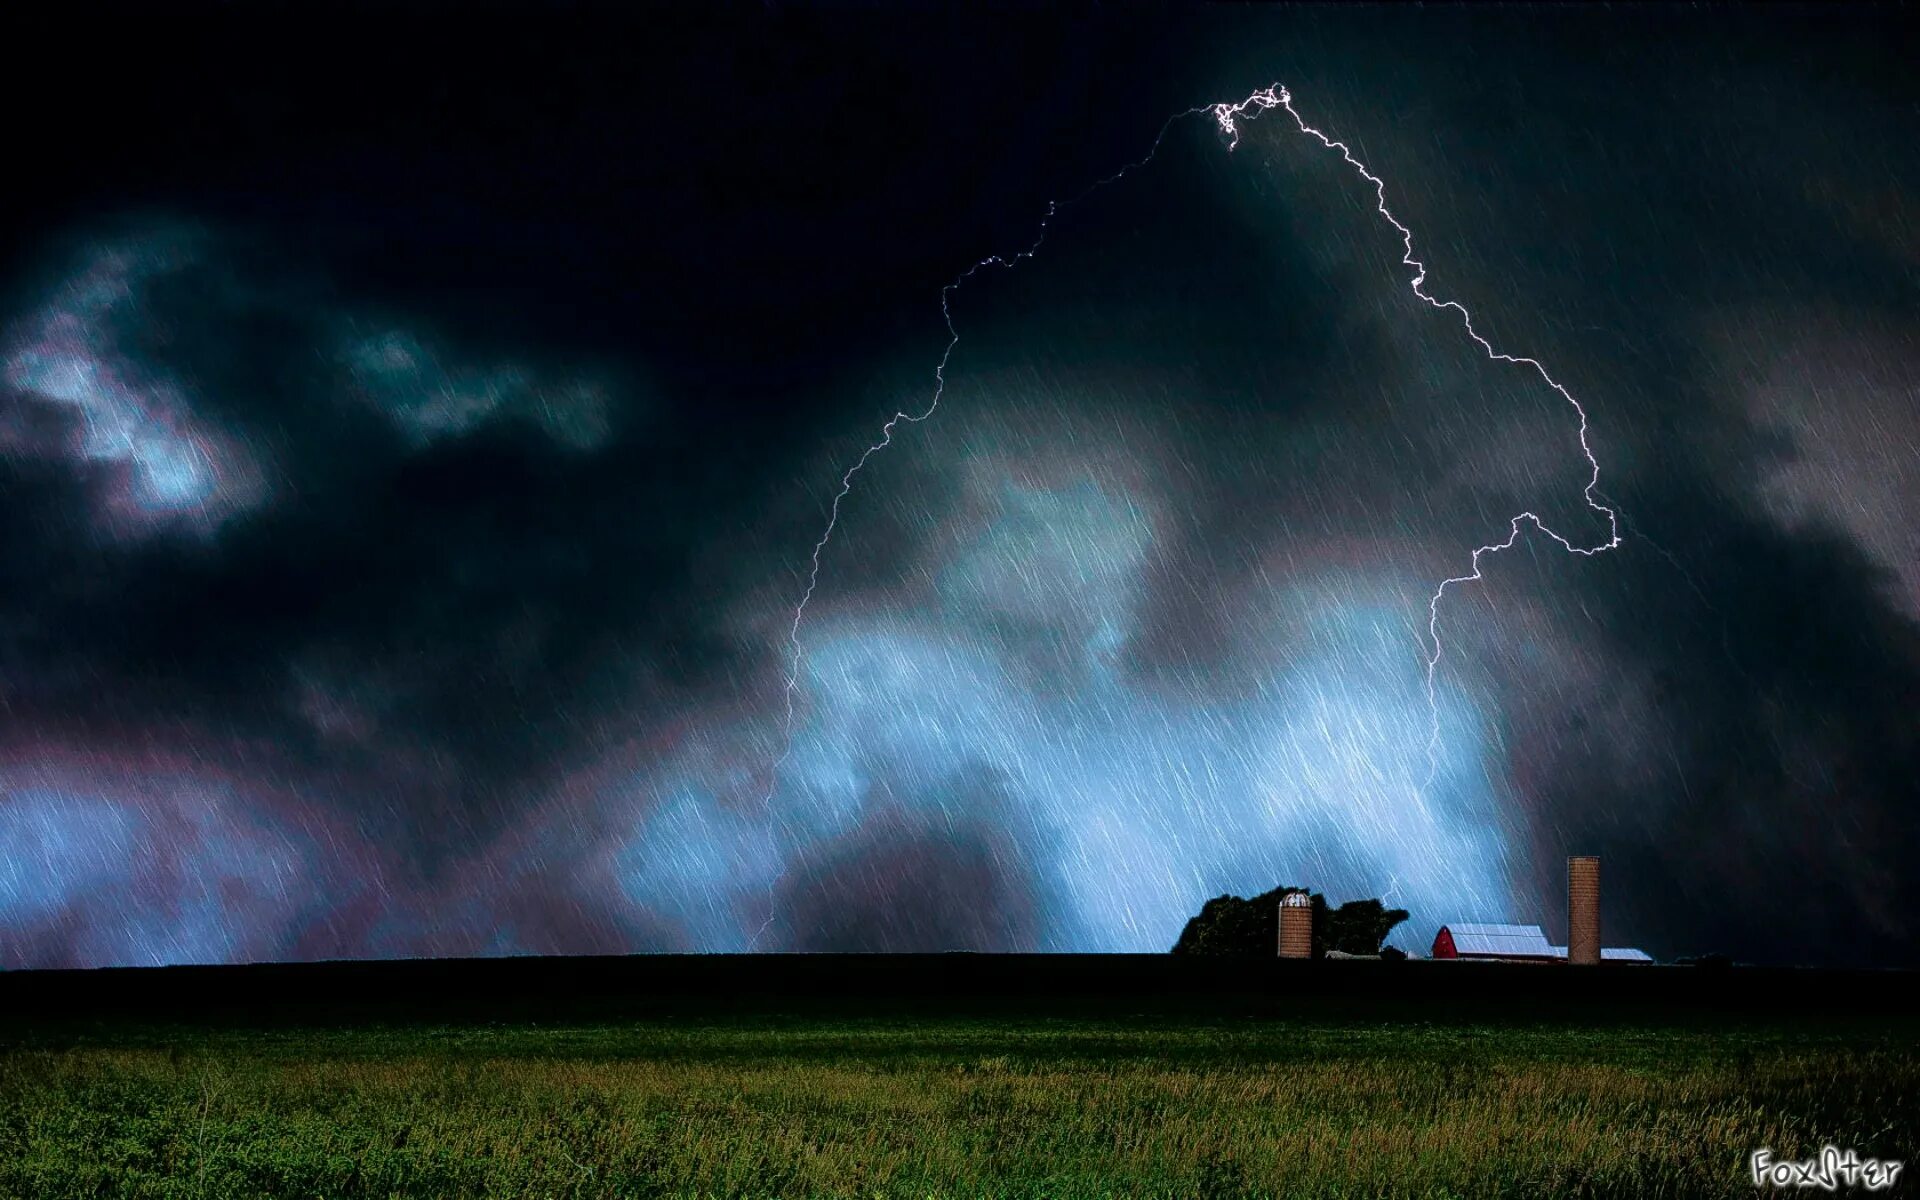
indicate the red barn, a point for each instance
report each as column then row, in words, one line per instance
column 1524, row 942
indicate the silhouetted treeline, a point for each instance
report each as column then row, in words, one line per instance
column 1236, row 927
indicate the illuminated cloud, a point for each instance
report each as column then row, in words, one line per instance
column 140, row 862
column 166, row 464
column 430, row 395
column 138, row 347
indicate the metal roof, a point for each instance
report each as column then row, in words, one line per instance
column 1614, row 954
column 1503, row 941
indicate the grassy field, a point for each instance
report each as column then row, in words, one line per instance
column 950, row 1108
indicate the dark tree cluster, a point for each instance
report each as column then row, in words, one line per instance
column 1236, row 927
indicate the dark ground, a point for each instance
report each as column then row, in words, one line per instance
column 918, row 1076
column 603, row 988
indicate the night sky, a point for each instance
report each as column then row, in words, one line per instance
column 416, row 431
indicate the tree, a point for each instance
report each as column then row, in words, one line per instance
column 1235, row 927
column 1359, row 926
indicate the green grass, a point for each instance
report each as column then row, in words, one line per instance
column 948, row 1108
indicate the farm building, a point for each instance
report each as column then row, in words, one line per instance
column 1614, row 954
column 1513, row 943
column 1493, row 941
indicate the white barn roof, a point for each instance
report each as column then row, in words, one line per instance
column 1504, row 941
column 1614, row 954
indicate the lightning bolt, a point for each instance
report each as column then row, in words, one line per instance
column 1228, row 116
column 791, row 687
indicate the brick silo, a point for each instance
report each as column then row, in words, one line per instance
column 1296, row 925
column 1583, row 909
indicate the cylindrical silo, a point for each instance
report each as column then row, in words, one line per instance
column 1583, row 909
column 1296, row 925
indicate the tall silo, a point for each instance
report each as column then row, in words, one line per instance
column 1583, row 909
column 1296, row 925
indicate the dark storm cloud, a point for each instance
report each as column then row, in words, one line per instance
column 194, row 380
column 438, row 479
column 1768, row 658
column 902, row 881
column 1770, row 799
column 314, row 519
